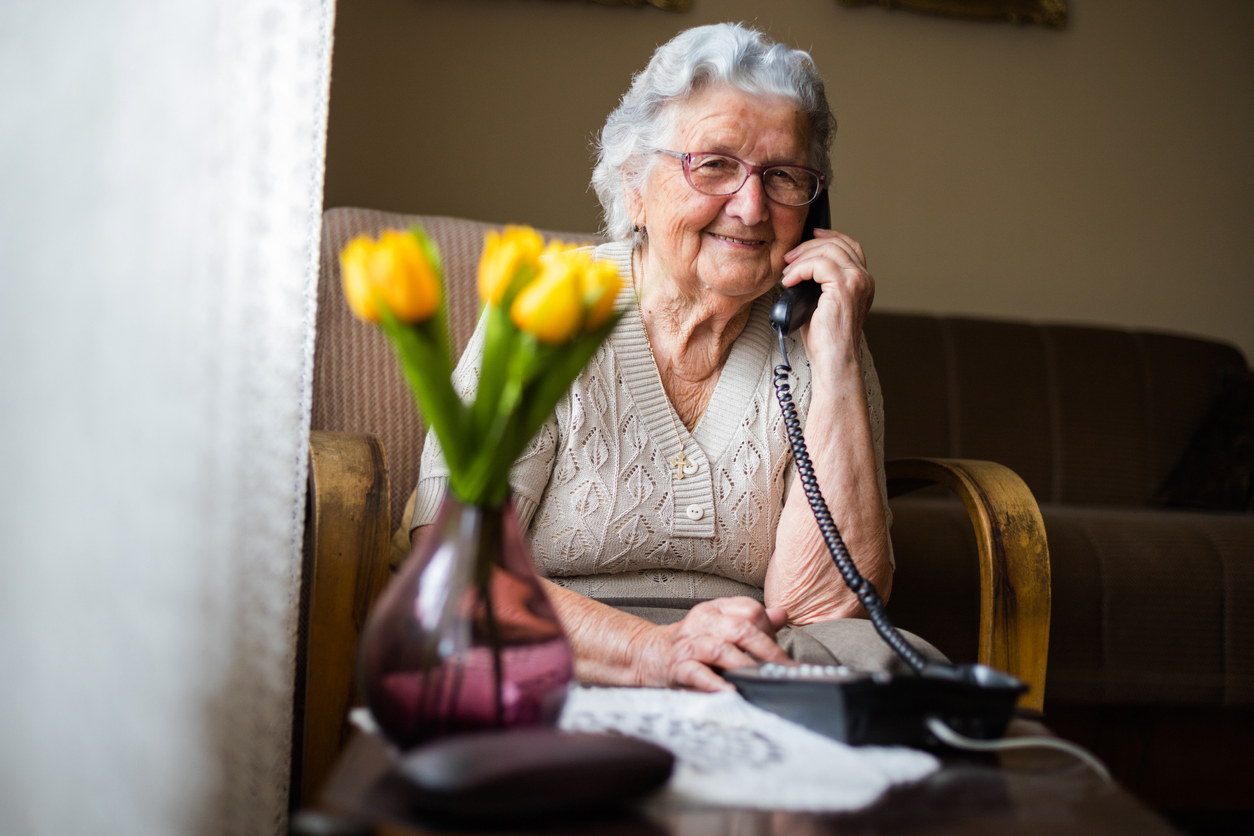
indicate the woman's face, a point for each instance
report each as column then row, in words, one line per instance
column 732, row 245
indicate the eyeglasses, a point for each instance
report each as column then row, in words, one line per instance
column 719, row 175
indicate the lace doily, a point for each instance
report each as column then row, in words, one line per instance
column 731, row 753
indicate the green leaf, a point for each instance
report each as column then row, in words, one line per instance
column 426, row 366
column 495, row 448
column 500, row 337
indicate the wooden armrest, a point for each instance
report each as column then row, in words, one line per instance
column 345, row 567
column 1013, row 555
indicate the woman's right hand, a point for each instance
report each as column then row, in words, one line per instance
column 723, row 633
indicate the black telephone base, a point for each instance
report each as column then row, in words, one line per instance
column 881, row 709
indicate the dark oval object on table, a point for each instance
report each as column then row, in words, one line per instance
column 529, row 772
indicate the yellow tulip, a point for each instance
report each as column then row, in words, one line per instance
column 355, row 262
column 406, row 280
column 551, row 307
column 601, row 284
column 503, row 255
column 393, row 270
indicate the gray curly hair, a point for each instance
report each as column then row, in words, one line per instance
column 724, row 53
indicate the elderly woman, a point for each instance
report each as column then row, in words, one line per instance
column 661, row 499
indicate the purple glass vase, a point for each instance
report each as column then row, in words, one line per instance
column 464, row 637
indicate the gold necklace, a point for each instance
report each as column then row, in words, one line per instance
column 682, row 464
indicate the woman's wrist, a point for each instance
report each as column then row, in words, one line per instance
column 631, row 662
column 645, row 651
column 834, row 365
column 611, row 647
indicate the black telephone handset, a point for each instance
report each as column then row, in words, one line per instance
column 861, row 708
column 796, row 304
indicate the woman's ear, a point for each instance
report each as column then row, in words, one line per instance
column 634, row 202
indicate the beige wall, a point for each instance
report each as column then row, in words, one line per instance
column 1101, row 174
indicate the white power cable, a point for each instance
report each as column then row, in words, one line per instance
column 959, row 741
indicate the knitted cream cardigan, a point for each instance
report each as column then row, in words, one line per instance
column 608, row 517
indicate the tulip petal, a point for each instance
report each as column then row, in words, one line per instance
column 355, row 275
column 551, row 307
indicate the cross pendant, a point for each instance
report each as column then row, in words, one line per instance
column 682, row 465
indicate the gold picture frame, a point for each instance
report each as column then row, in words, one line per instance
column 664, row 5
column 1051, row 13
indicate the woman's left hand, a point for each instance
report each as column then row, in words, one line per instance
column 837, row 263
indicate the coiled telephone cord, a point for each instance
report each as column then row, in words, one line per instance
column 862, row 588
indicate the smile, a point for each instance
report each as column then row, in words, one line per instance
column 742, row 241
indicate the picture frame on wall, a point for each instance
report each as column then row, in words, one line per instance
column 664, row 5
column 1051, row 13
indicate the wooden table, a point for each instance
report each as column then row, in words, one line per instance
column 1029, row 792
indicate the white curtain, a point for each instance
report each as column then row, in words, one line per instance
column 160, row 195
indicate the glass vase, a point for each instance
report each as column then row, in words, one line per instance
column 464, row 637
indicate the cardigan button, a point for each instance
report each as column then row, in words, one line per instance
column 695, row 512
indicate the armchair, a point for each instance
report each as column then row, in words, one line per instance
column 361, row 409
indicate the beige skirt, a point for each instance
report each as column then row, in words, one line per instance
column 852, row 642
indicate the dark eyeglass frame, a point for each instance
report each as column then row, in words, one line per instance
column 750, row 169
